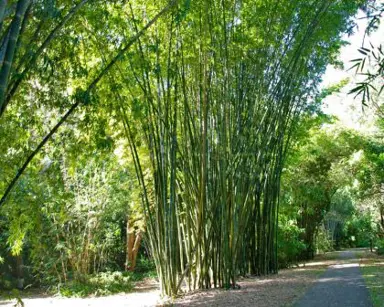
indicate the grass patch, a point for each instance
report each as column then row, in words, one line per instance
column 374, row 280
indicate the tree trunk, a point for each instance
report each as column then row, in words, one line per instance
column 135, row 250
column 130, row 244
column 133, row 245
column 19, row 272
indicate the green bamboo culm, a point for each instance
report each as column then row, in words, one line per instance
column 14, row 31
column 214, row 92
column 3, row 5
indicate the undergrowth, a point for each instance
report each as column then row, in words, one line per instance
column 106, row 283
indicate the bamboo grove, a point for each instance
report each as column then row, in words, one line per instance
column 216, row 92
column 210, row 91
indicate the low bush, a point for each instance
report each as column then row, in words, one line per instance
column 106, row 283
column 289, row 244
column 322, row 242
column 100, row 284
column 380, row 247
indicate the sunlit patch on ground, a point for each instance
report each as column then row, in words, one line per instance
column 346, row 265
column 145, row 294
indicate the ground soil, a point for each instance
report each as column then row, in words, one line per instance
column 285, row 289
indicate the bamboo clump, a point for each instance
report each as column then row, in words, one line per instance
column 214, row 95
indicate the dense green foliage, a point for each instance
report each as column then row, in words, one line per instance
column 332, row 193
column 187, row 133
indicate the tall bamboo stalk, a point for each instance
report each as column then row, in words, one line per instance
column 3, row 5
column 21, row 8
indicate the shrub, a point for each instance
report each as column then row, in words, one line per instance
column 323, row 243
column 380, row 247
column 289, row 244
column 99, row 284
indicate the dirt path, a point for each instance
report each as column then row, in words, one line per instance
column 276, row 290
column 285, row 289
column 146, row 293
column 273, row 291
column 341, row 285
column 139, row 299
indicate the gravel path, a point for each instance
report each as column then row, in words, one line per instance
column 341, row 285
